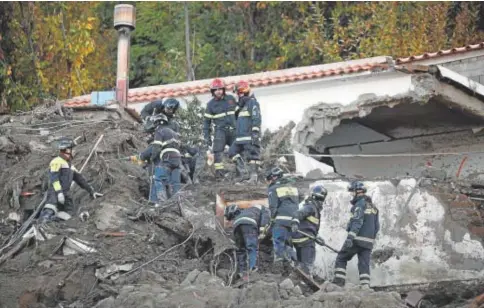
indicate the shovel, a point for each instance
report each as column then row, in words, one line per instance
column 318, row 241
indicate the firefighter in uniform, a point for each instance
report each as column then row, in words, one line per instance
column 308, row 221
column 283, row 204
column 164, row 154
column 193, row 162
column 61, row 175
column 220, row 111
column 362, row 230
column 247, row 140
column 247, row 224
column 150, row 109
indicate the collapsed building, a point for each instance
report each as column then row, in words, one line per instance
column 411, row 132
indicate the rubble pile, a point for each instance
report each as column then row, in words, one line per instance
column 127, row 253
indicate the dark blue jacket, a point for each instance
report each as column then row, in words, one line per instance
column 283, row 202
column 166, row 142
column 152, row 108
column 364, row 223
column 257, row 215
column 248, row 119
column 221, row 113
column 309, row 218
column 173, row 124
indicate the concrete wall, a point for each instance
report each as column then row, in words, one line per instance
column 287, row 102
column 413, row 166
column 422, row 242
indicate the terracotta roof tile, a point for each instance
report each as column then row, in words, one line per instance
column 262, row 79
column 440, row 53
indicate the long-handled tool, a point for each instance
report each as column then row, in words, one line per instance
column 318, row 241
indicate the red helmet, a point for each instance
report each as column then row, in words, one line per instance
column 217, row 84
column 242, row 87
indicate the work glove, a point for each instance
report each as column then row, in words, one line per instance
column 134, row 159
column 61, row 198
column 348, row 244
column 256, row 139
column 84, row 216
column 96, row 195
column 294, row 226
column 319, row 241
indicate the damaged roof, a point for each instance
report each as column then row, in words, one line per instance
column 440, row 53
column 146, row 94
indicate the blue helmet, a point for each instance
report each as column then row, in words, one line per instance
column 319, row 193
column 231, row 211
column 171, row 103
column 274, row 173
column 65, row 143
column 357, row 186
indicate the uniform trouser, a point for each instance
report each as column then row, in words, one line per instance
column 68, row 205
column 306, row 253
column 247, row 150
column 167, row 174
column 223, row 137
column 246, row 242
column 346, row 255
column 281, row 237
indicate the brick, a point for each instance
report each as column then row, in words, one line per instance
column 461, row 197
column 479, row 231
column 462, row 204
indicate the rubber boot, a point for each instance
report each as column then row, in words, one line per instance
column 340, row 282
column 241, row 170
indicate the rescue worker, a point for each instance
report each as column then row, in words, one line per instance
column 170, row 106
column 308, row 221
column 247, row 140
column 247, row 224
column 220, row 111
column 283, row 204
column 152, row 108
column 362, row 230
column 164, row 154
column 61, row 175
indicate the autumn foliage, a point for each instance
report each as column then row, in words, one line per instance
column 64, row 49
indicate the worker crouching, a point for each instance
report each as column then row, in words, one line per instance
column 61, row 175
column 247, row 224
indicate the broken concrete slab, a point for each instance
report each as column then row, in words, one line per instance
column 410, row 122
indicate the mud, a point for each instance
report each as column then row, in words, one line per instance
column 177, row 255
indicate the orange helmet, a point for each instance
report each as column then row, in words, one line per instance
column 242, row 87
column 217, row 84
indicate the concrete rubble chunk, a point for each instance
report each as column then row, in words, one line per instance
column 106, row 303
column 190, row 277
column 286, row 284
column 112, row 271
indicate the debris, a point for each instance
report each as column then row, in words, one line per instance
column 286, row 284
column 74, row 246
column 413, row 299
column 112, row 271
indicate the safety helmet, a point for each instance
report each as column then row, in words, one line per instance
column 357, row 186
column 319, row 193
column 231, row 211
column 171, row 103
column 242, row 87
column 217, row 84
column 154, row 121
column 274, row 173
column 65, row 143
